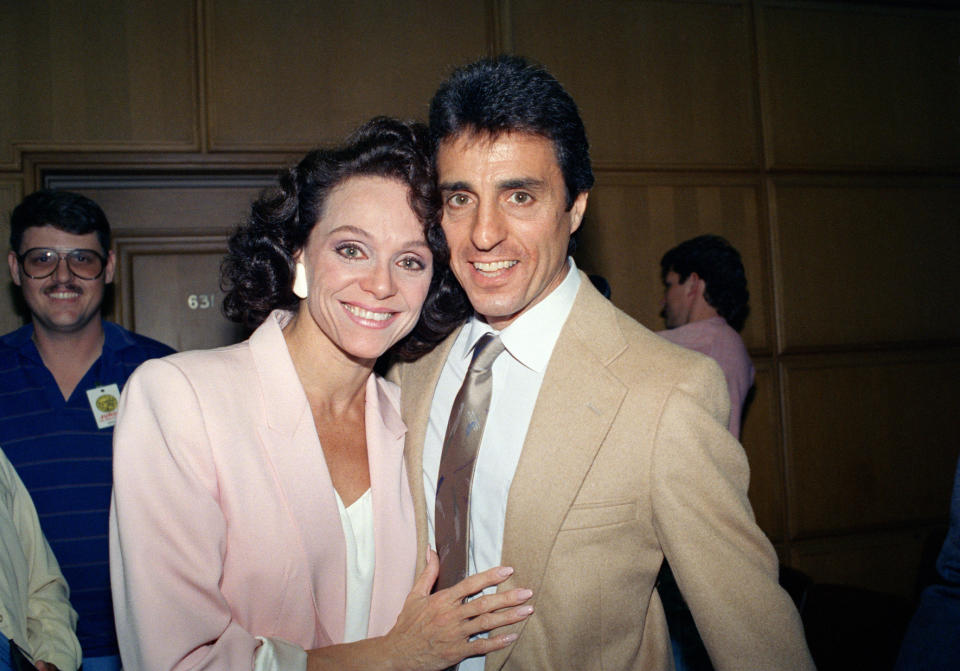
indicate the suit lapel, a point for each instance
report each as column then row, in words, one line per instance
column 393, row 516
column 578, row 401
column 293, row 448
column 417, row 383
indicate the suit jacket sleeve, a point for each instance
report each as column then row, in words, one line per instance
column 725, row 566
column 50, row 619
column 168, row 533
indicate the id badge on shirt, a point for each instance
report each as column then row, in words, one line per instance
column 103, row 403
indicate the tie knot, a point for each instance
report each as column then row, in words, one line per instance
column 487, row 349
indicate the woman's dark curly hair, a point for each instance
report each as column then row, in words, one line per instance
column 257, row 273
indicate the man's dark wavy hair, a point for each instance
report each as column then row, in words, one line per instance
column 509, row 94
column 65, row 211
column 718, row 263
column 257, row 273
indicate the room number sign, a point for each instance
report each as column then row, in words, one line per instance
column 201, row 301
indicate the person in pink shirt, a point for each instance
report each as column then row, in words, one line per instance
column 704, row 305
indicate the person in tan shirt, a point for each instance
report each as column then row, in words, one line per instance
column 605, row 448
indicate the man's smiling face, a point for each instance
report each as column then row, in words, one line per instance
column 505, row 219
column 61, row 302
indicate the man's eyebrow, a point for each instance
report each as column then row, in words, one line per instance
column 521, row 183
column 505, row 185
column 454, row 186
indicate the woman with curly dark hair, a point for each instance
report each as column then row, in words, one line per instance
column 262, row 516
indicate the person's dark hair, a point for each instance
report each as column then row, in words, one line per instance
column 718, row 263
column 509, row 94
column 65, row 211
column 257, row 273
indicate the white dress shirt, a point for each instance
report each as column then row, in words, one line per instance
column 517, row 376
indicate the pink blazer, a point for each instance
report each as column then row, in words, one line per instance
column 224, row 524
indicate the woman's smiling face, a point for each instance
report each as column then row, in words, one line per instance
column 368, row 266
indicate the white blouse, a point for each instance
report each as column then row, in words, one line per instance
column 357, row 522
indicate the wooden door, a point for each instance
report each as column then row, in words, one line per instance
column 169, row 235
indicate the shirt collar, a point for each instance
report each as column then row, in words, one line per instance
column 19, row 339
column 530, row 338
column 116, row 338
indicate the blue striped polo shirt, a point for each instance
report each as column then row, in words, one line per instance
column 65, row 462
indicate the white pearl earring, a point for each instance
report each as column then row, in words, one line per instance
column 300, row 281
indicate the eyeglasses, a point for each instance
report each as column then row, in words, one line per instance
column 41, row 262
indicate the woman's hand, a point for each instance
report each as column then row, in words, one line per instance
column 433, row 630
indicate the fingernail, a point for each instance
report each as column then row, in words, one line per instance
column 524, row 593
column 509, row 638
column 505, row 571
column 525, row 610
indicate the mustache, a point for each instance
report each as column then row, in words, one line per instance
column 74, row 288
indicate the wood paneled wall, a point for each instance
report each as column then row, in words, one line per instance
column 821, row 138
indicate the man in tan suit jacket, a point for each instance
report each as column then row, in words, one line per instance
column 608, row 442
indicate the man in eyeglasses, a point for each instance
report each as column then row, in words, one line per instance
column 60, row 381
